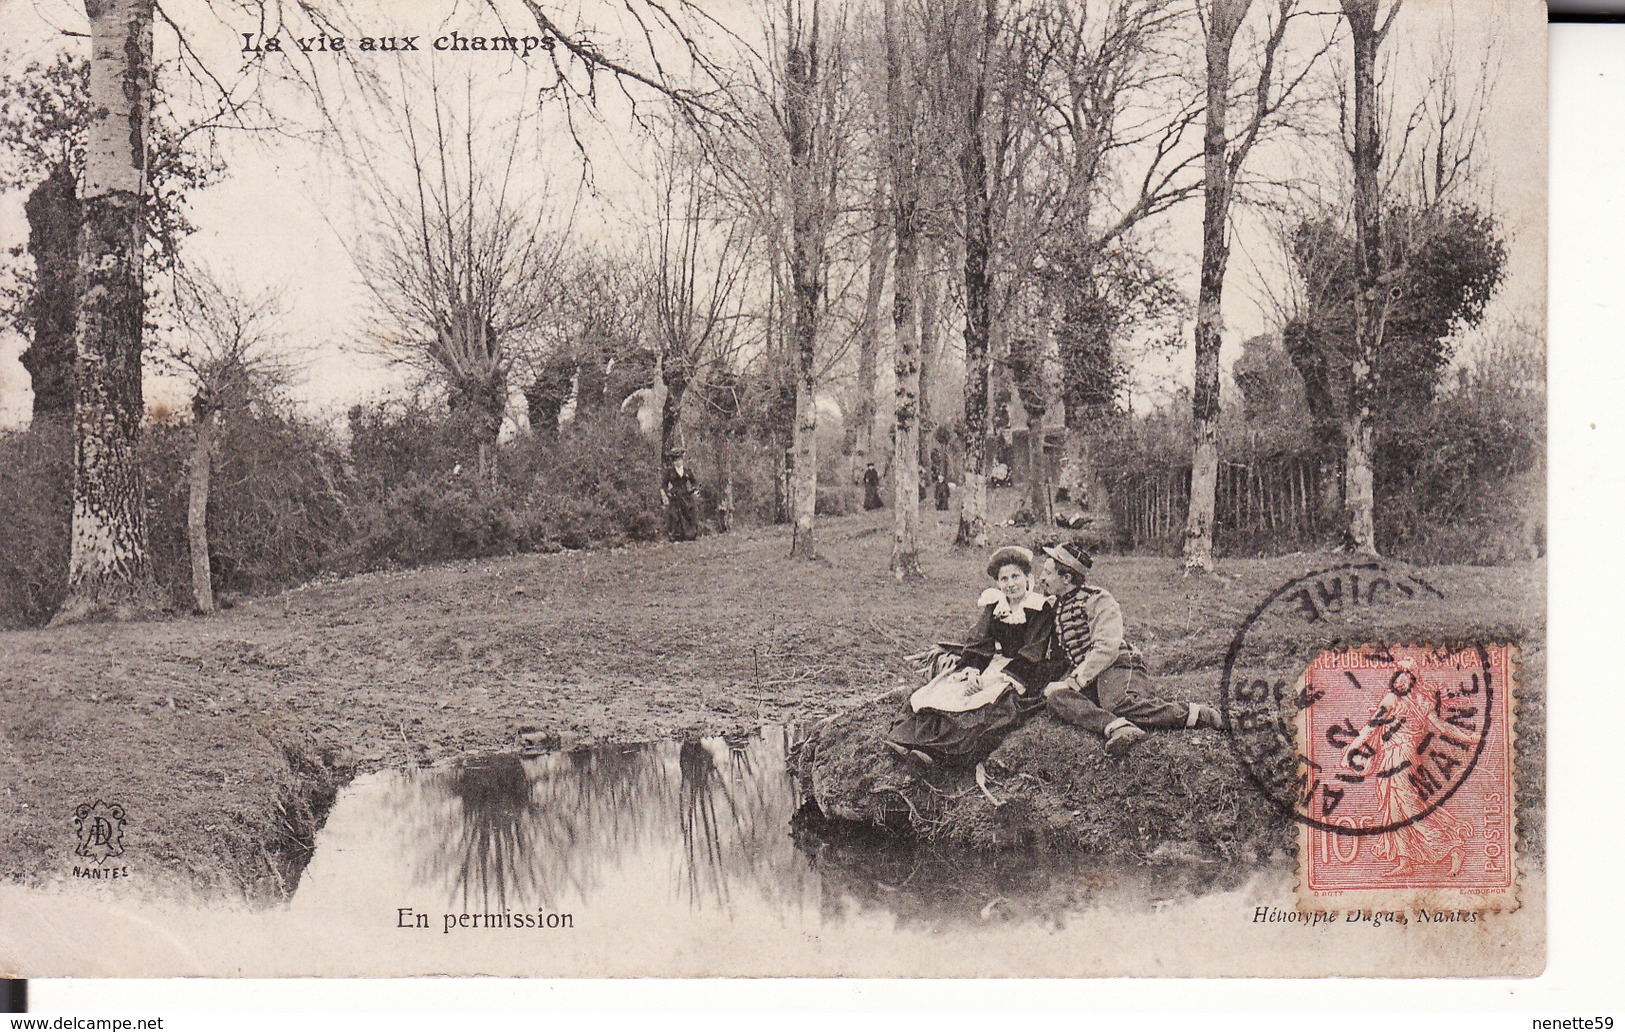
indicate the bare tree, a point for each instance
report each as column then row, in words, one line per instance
column 1086, row 141
column 1368, row 27
column 698, row 262
column 811, row 137
column 1363, row 311
column 903, row 152
column 460, row 264
column 865, row 402
column 1224, row 153
column 224, row 345
column 971, row 49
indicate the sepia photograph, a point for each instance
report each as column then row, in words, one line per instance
column 837, row 488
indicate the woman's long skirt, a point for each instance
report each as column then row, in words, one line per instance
column 964, row 739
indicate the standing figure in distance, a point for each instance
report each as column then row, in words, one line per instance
column 678, row 494
column 871, row 488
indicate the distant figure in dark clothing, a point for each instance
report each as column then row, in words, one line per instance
column 871, row 488
column 941, row 489
column 678, row 494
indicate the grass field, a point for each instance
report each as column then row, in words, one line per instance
column 224, row 736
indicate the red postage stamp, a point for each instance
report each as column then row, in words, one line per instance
column 1407, row 774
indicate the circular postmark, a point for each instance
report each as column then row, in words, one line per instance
column 1345, row 710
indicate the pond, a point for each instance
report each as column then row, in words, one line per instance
column 680, row 832
column 681, row 859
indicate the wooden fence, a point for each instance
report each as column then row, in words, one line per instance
column 1267, row 503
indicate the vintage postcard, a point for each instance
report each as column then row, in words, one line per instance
column 889, row 488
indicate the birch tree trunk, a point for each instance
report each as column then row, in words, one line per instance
column 199, row 467
column 806, row 274
column 868, row 393
column 804, row 471
column 108, row 566
column 905, row 555
column 930, row 292
column 1223, row 22
column 1359, row 484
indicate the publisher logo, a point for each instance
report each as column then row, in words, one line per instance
column 101, row 830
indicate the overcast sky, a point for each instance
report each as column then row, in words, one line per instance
column 282, row 214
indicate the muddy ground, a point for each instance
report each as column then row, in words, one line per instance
column 225, row 737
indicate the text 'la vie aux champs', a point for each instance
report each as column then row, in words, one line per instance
column 456, row 42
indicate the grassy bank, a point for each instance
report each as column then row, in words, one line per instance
column 222, row 735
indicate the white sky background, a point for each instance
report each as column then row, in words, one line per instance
column 281, row 215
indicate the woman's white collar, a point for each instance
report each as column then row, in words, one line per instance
column 1003, row 610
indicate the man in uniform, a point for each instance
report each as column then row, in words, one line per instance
column 1106, row 688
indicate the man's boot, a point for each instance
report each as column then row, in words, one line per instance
column 1121, row 736
column 1204, row 716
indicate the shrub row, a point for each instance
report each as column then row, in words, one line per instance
column 290, row 502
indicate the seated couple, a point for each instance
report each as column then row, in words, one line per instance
column 1059, row 647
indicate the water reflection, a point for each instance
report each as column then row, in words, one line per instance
column 667, row 829
column 501, row 832
column 924, row 885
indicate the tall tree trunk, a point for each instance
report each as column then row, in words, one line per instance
column 804, row 472
column 1223, row 22
column 725, row 480
column 781, row 409
column 905, row 555
column 978, row 234
column 199, row 466
column 54, row 225
column 806, row 273
column 863, row 412
column 1359, row 485
column 592, row 375
column 930, row 298
column 1359, row 492
column 478, row 404
column 1038, row 500
column 671, row 411
column 1027, row 362
column 108, row 566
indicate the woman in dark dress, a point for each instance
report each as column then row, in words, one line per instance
column 996, row 681
column 678, row 492
column 871, row 488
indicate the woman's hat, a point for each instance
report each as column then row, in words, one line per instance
column 1071, row 555
column 674, row 453
column 1010, row 555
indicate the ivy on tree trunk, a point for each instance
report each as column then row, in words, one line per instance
column 108, row 566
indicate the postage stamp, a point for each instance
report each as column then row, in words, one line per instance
column 1407, row 779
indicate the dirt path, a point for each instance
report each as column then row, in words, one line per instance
column 222, row 737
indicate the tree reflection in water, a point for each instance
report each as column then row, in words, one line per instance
column 503, row 833
column 703, row 826
column 735, row 801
